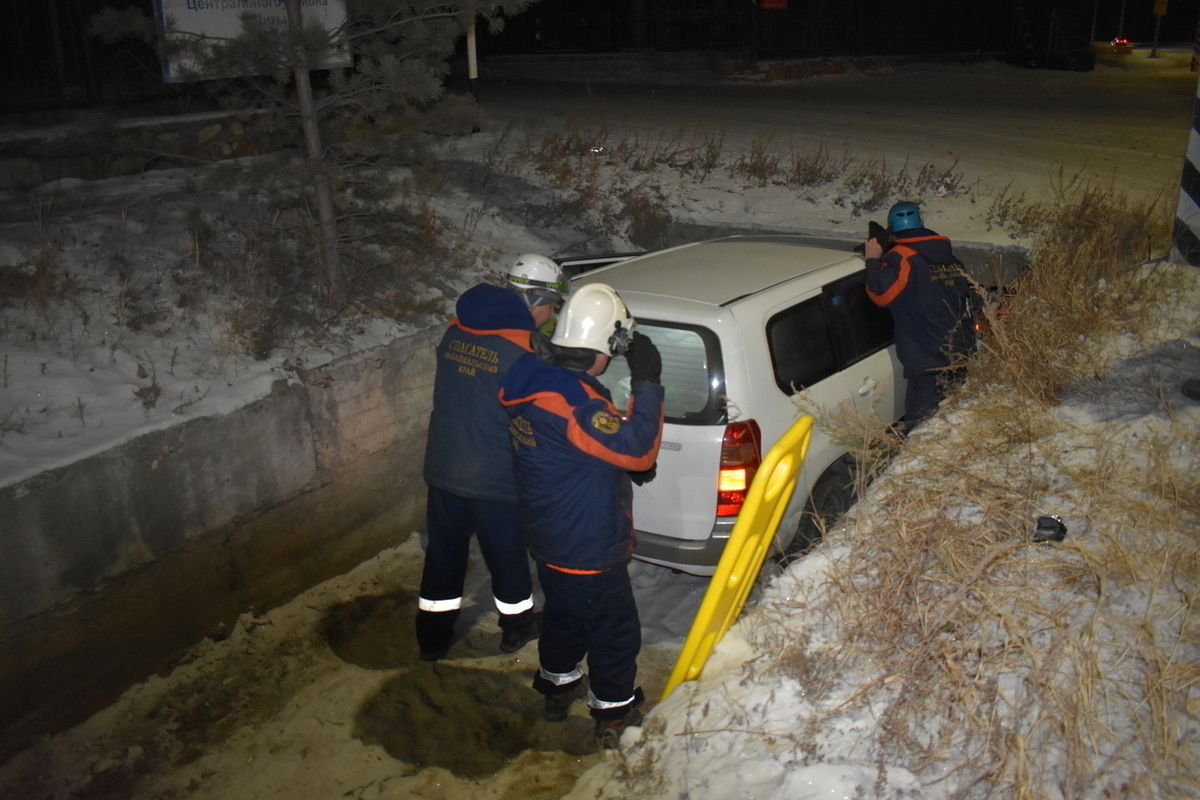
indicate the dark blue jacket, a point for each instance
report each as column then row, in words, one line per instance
column 574, row 454
column 467, row 452
column 921, row 282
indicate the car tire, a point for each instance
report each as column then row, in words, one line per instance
column 832, row 496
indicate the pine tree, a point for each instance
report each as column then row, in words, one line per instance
column 399, row 49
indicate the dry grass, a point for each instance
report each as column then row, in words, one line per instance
column 1083, row 286
column 817, row 167
column 595, row 173
column 871, row 185
column 1032, row 669
column 1004, row 668
column 760, row 164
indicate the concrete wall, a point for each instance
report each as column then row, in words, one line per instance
column 112, row 567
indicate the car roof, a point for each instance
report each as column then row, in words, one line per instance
column 719, row 271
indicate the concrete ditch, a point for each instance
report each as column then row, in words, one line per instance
column 112, row 567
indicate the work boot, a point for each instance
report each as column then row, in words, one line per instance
column 435, row 633
column 608, row 731
column 513, row 639
column 558, row 706
column 435, row 655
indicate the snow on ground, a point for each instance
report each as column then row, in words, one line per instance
column 767, row 719
column 1091, row 642
column 115, row 331
column 122, row 336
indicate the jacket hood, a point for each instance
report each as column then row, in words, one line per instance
column 490, row 308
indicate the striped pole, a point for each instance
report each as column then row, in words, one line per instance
column 1195, row 47
column 1187, row 214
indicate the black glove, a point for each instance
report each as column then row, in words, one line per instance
column 645, row 364
column 645, row 476
column 879, row 233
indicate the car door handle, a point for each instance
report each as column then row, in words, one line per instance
column 868, row 387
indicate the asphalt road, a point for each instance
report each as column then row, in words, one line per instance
column 1128, row 126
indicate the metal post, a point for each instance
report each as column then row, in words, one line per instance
column 1195, row 48
column 472, row 61
column 754, row 22
column 1160, row 10
column 1186, row 234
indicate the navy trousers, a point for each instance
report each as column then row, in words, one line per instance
column 450, row 520
column 592, row 616
column 926, row 392
column 921, row 399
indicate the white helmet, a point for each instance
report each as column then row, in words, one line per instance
column 594, row 317
column 539, row 278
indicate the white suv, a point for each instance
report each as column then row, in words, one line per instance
column 743, row 323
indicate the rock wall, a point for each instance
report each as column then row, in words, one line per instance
column 114, row 566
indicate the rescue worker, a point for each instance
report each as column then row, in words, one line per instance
column 575, row 451
column 918, row 278
column 469, row 462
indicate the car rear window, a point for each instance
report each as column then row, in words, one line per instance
column 692, row 374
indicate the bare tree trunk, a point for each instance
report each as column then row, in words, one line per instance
column 60, row 61
column 637, row 25
column 331, row 252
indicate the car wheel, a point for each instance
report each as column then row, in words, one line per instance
column 832, row 496
column 773, row 565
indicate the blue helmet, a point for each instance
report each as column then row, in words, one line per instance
column 904, row 216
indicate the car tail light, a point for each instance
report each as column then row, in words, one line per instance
column 741, row 453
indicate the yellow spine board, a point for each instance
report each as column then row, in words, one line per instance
column 768, row 498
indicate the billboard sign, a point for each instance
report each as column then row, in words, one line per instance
column 218, row 20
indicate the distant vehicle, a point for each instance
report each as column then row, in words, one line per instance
column 1121, row 46
column 743, row 324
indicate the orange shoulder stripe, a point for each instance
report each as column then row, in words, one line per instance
column 518, row 337
column 901, row 279
column 922, row 239
column 557, row 405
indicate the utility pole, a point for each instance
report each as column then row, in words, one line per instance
column 1195, row 48
column 331, row 251
column 472, row 59
column 1160, row 10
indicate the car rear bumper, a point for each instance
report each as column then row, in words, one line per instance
column 694, row 556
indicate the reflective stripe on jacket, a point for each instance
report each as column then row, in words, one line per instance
column 921, row 281
column 574, row 452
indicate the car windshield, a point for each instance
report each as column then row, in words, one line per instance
column 691, row 373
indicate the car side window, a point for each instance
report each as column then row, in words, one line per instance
column 802, row 352
column 859, row 327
